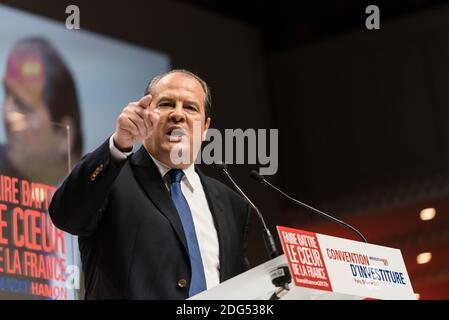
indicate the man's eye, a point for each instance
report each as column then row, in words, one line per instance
column 191, row 108
column 20, row 104
column 165, row 104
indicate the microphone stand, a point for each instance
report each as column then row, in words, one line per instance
column 255, row 175
column 280, row 277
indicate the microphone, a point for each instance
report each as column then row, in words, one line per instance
column 267, row 236
column 259, row 178
column 280, row 277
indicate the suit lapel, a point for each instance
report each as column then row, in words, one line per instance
column 150, row 180
column 217, row 209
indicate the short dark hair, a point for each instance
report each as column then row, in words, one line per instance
column 206, row 89
column 59, row 93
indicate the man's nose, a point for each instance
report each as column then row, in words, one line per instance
column 177, row 114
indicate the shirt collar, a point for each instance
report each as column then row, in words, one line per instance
column 189, row 172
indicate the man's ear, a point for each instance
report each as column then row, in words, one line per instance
column 206, row 127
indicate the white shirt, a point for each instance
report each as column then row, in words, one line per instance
column 202, row 217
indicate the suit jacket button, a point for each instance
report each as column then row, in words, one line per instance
column 182, row 283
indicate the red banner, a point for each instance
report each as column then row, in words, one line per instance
column 305, row 259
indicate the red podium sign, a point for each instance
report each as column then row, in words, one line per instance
column 304, row 258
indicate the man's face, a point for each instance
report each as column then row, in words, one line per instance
column 31, row 139
column 36, row 147
column 179, row 100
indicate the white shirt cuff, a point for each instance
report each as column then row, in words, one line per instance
column 116, row 154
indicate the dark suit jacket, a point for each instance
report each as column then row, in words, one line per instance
column 130, row 236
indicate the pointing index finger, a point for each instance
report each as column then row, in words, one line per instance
column 145, row 101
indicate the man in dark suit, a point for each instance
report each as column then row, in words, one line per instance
column 150, row 224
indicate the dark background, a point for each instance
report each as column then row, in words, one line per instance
column 362, row 114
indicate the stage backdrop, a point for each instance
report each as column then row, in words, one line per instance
column 53, row 78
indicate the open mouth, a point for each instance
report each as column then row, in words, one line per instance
column 176, row 134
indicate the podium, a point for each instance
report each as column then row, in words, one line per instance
column 323, row 268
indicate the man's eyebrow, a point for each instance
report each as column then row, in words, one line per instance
column 172, row 99
column 20, row 103
column 165, row 98
column 192, row 102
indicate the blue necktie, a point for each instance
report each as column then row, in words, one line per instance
column 198, row 280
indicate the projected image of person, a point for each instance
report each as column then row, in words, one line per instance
column 40, row 102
